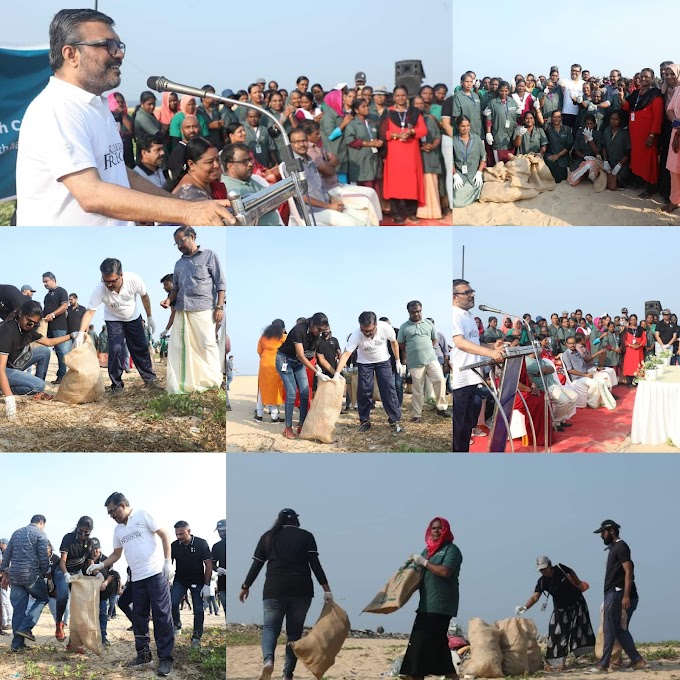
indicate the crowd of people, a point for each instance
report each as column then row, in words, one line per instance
column 292, row 364
column 195, row 296
column 583, row 125
column 159, row 575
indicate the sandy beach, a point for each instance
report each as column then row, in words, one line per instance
column 570, row 206
column 244, row 433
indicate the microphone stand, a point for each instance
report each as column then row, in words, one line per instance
column 293, row 166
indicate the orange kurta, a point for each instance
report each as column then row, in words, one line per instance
column 268, row 380
column 403, row 172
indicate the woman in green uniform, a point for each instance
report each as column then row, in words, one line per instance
column 587, row 146
column 601, row 108
column 585, row 105
column 615, row 152
column 551, row 97
column 469, row 160
column 361, row 138
column 560, row 141
column 466, row 101
column 501, row 121
column 337, row 117
column 433, row 165
column 611, row 342
column 529, row 138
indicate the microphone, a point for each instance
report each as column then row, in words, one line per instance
column 484, row 308
column 162, row 84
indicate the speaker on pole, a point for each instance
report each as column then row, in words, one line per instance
column 653, row 307
column 409, row 74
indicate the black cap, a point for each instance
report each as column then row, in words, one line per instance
column 287, row 513
column 94, row 543
column 607, row 524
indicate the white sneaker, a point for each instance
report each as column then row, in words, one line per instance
column 489, row 422
column 476, row 432
column 267, row 671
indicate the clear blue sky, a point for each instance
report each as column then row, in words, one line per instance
column 369, row 512
column 552, row 36
column 545, row 270
column 285, row 274
column 74, row 254
column 231, row 45
column 66, row 486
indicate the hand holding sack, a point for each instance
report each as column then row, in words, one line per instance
column 11, row 407
column 478, row 180
column 398, row 590
column 457, row 181
column 489, row 139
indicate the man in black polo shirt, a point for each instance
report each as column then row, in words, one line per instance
column 54, row 312
column 108, row 588
column 666, row 333
column 193, row 564
column 327, row 354
column 219, row 559
column 10, row 299
column 74, row 314
column 619, row 593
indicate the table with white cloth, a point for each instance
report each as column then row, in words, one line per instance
column 656, row 414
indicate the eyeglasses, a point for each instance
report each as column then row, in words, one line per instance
column 111, row 512
column 29, row 323
column 466, row 292
column 111, row 283
column 112, row 46
column 181, row 241
column 245, row 161
column 80, row 532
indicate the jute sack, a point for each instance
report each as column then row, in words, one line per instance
column 353, row 382
column 540, row 177
column 318, row 649
column 495, row 174
column 84, row 624
column 513, row 641
column 486, row 658
column 324, row 413
column 397, row 590
column 504, row 192
column 599, row 641
column 518, row 171
column 534, row 659
column 83, row 382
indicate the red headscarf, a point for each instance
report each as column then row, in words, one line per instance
column 113, row 104
column 445, row 537
column 334, row 101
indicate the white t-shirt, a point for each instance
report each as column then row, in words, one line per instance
column 64, row 130
column 464, row 324
column 571, row 88
column 371, row 350
column 121, row 306
column 143, row 550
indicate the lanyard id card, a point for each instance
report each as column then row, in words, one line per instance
column 258, row 148
column 507, row 123
column 632, row 116
column 463, row 169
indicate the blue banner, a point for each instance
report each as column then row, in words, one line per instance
column 23, row 74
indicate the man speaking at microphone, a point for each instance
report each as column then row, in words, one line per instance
column 466, row 350
column 70, row 169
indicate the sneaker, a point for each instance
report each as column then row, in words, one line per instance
column 364, row 427
column 398, row 428
column 415, row 419
column 115, row 391
column 139, row 660
column 57, row 381
column 566, row 424
column 267, row 671
column 489, row 422
column 130, row 629
column 195, row 642
column 19, row 648
column 477, row 432
column 26, row 634
column 59, row 632
column 258, row 418
column 106, row 643
column 444, row 413
column 277, row 420
column 154, row 385
column 164, row 667
column 596, row 669
column 177, row 630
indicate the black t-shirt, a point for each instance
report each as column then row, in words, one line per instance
column 615, row 576
column 329, row 350
column 112, row 587
column 10, row 299
column 53, row 300
column 75, row 316
column 189, row 568
column 301, row 334
column 76, row 553
column 176, row 161
column 666, row 331
column 447, row 108
column 558, row 586
column 219, row 556
column 14, row 342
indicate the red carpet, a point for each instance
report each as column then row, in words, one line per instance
column 445, row 222
column 592, row 430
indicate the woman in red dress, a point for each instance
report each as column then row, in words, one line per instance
column 633, row 339
column 646, row 117
column 403, row 182
column 536, row 403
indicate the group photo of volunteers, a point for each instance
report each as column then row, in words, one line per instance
column 431, row 602
column 370, row 147
column 161, row 332
column 91, row 587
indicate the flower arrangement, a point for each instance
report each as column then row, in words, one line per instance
column 666, row 354
column 639, row 373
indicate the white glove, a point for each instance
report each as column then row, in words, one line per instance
column 617, row 169
column 94, row 567
column 78, row 338
column 537, row 105
column 401, row 369
column 520, row 609
column 205, row 592
column 327, row 596
column 221, row 571
column 167, row 570
column 151, row 324
column 478, row 83
column 607, row 167
column 579, row 99
column 547, row 90
column 477, row 179
column 323, row 377
column 489, row 139
column 419, row 560
column 11, row 407
column 522, row 130
column 592, row 107
column 589, row 158
column 318, row 372
column 457, row 181
column 588, row 134
column 68, row 578
column 165, row 333
column 487, row 112
column 337, row 376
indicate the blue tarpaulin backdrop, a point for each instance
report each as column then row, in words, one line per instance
column 23, row 74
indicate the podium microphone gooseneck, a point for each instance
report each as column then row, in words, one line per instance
column 250, row 208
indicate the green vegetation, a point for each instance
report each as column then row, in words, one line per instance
column 211, row 656
column 198, row 404
column 6, row 210
column 243, row 638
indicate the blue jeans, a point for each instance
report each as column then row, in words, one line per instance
column 52, row 604
column 152, row 595
column 294, row 610
column 23, row 382
column 613, row 630
column 382, row 372
column 103, row 617
column 63, row 593
column 132, row 335
column 176, row 595
column 399, row 387
column 294, row 375
column 223, row 601
column 25, row 618
column 60, row 350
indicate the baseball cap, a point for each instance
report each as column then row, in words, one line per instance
column 340, row 86
column 543, row 562
column 665, row 311
column 222, row 524
column 27, row 287
column 94, row 543
column 261, row 81
column 539, row 318
column 3, row 540
column 607, row 524
column 381, row 89
column 227, row 92
column 360, row 75
column 287, row 513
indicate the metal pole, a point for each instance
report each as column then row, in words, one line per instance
column 462, row 274
column 96, row 5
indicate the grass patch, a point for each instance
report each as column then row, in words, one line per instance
column 6, row 210
column 664, row 653
column 243, row 638
column 211, row 404
column 664, row 643
column 211, row 657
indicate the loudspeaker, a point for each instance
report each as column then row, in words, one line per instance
column 653, row 307
column 409, row 74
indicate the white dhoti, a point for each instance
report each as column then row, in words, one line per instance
column 360, row 198
column 604, row 386
column 193, row 357
column 563, row 400
column 222, row 345
column 592, row 390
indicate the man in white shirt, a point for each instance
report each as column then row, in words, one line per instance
column 70, row 168
column 118, row 293
column 573, row 95
column 466, row 350
column 373, row 359
column 151, row 573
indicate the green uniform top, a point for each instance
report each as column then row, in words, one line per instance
column 363, row 163
column 269, row 219
column 329, row 122
column 470, row 154
column 491, row 335
column 558, row 140
column 580, row 144
column 531, row 141
column 534, row 374
column 103, row 342
column 440, row 595
column 487, row 98
column 582, row 112
column 552, row 102
column 432, row 160
column 436, row 111
column 470, row 106
column 503, row 122
column 259, row 141
column 418, row 338
column 563, row 334
column 610, row 340
column 617, row 145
